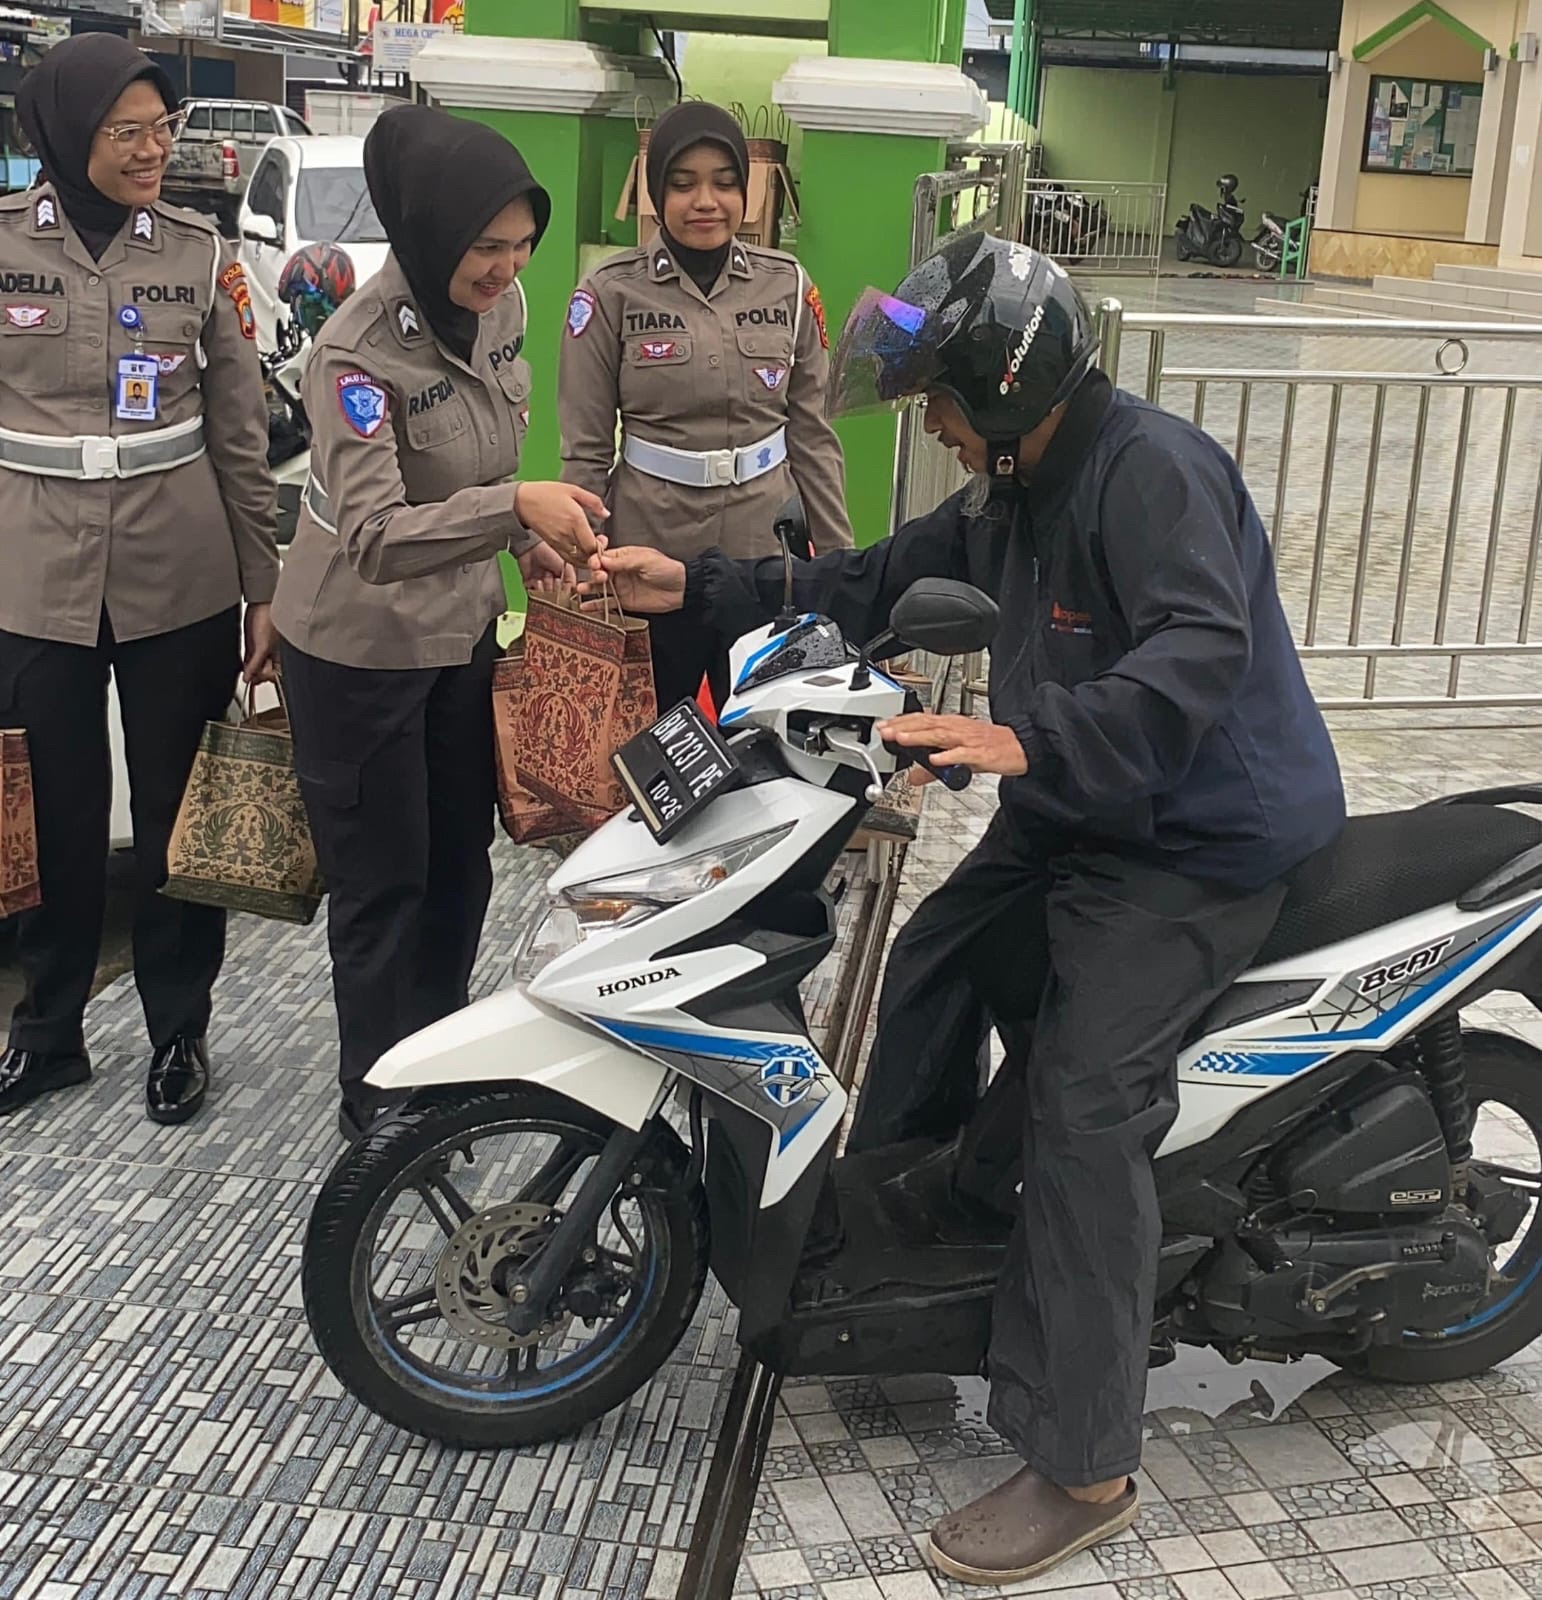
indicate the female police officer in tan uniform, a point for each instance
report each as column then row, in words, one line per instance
column 714, row 355
column 417, row 394
column 136, row 512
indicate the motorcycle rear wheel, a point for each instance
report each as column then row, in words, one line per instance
column 1506, row 1072
column 487, row 1395
column 1226, row 251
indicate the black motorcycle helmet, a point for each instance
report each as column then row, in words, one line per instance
column 998, row 326
column 1227, row 184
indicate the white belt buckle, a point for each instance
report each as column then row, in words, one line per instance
column 98, row 457
column 722, row 468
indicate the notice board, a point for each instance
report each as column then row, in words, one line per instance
column 1424, row 126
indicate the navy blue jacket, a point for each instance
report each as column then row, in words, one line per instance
column 1143, row 657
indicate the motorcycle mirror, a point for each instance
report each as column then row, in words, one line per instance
column 790, row 526
column 944, row 617
column 939, row 615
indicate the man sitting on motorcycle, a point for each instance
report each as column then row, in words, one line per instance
column 1164, row 768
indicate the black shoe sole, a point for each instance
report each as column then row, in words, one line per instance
column 174, row 1116
column 65, row 1079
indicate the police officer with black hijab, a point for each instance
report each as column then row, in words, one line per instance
column 388, row 603
column 137, row 512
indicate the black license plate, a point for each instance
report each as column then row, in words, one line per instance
column 675, row 769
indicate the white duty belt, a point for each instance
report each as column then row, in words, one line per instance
column 94, row 456
column 707, row 469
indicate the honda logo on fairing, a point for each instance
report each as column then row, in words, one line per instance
column 641, row 981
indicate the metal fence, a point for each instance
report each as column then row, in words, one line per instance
column 1400, row 479
column 1098, row 227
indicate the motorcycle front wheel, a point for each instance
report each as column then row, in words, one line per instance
column 1504, row 1089
column 413, row 1240
column 1227, row 250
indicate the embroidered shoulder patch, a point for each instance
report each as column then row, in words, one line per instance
column 233, row 281
column 817, row 306
column 580, row 312
column 363, row 403
column 47, row 213
column 144, row 225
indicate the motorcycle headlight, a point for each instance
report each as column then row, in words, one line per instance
column 604, row 905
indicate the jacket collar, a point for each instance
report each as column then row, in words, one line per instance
column 1082, row 423
column 48, row 221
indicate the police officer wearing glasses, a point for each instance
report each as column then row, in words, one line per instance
column 138, row 513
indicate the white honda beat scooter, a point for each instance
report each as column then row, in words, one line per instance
column 522, row 1244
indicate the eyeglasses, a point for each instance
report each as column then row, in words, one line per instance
column 125, row 135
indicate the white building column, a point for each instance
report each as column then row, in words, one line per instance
column 1521, row 233
column 1343, row 146
column 1491, row 167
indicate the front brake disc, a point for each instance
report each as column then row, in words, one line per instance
column 466, row 1277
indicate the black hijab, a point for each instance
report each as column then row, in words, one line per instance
column 693, row 122
column 437, row 181
column 61, row 104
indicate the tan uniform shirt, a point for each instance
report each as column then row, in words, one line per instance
column 415, row 450
column 701, row 372
column 169, row 548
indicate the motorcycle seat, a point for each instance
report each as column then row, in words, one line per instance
column 1392, row 865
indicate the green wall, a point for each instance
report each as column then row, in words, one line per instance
column 1125, row 125
column 1105, row 124
column 725, row 67
column 1269, row 131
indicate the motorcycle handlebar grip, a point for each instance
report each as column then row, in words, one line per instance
column 955, row 778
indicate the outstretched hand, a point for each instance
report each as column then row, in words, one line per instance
column 643, row 579
column 955, row 741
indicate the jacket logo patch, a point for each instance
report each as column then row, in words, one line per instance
column 363, row 403
column 407, row 321
column 654, row 322
column 508, row 351
column 1062, row 620
column 30, row 283
column 771, row 376
column 432, row 396
column 233, row 281
column 26, row 316
column 580, row 313
column 46, row 215
column 144, row 225
column 817, row 306
column 658, row 349
column 167, row 363
column 167, row 294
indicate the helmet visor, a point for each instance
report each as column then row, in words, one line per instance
column 888, row 352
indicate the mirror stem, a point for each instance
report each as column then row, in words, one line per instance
column 862, row 678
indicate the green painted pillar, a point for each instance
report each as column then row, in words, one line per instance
column 877, row 114
column 1035, row 75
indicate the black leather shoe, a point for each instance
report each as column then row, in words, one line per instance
column 26, row 1074
column 178, row 1081
column 362, row 1107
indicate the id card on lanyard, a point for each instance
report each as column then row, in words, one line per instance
column 138, row 382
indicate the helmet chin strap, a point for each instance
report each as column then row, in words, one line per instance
column 1001, row 458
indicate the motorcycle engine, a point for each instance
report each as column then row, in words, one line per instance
column 1357, row 1234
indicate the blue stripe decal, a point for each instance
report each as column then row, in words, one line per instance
column 1481, row 1317
column 732, row 716
column 768, row 648
column 1256, row 1063
column 1411, row 1003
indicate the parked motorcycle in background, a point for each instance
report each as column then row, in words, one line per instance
column 1214, row 236
column 1269, row 241
column 314, row 283
column 1064, row 223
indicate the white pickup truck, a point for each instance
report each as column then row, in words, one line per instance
column 213, row 160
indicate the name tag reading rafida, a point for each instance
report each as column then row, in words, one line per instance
column 675, row 769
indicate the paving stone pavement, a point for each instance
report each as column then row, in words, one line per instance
column 166, row 1427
